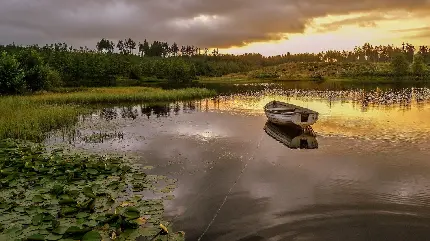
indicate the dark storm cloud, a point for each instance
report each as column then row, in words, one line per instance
column 236, row 22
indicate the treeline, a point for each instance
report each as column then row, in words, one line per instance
column 33, row 68
column 91, row 67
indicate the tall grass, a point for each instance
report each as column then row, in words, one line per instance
column 22, row 118
column 30, row 117
column 119, row 95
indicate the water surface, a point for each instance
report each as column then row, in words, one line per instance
column 368, row 178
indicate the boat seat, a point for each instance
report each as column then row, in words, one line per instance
column 282, row 109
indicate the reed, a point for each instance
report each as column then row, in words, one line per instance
column 22, row 118
column 31, row 117
column 120, row 95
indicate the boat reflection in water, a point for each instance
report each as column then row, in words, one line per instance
column 293, row 136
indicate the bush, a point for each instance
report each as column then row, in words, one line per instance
column 34, row 69
column 135, row 72
column 419, row 67
column 53, row 79
column 400, row 65
column 11, row 75
column 177, row 70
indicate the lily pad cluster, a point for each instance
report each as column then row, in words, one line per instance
column 59, row 196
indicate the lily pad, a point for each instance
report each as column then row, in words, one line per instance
column 37, row 219
column 59, row 196
column 36, row 237
column 38, row 199
column 92, row 236
column 87, row 191
column 131, row 213
column 82, row 215
column 60, row 230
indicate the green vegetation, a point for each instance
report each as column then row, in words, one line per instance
column 121, row 94
column 400, row 65
column 399, row 69
column 419, row 67
column 322, row 70
column 32, row 68
column 58, row 196
column 30, row 117
column 23, row 118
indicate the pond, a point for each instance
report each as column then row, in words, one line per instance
column 363, row 174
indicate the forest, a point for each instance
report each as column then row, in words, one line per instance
column 33, row 68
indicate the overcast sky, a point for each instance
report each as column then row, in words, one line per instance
column 205, row 23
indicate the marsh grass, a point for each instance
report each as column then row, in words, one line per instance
column 121, row 94
column 31, row 117
column 24, row 119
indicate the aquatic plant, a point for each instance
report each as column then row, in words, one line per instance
column 58, row 196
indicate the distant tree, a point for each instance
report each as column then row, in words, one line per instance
column 183, row 50
column 400, row 65
column 144, row 48
column 121, row 47
column 11, row 75
column 105, row 45
column 419, row 67
column 35, row 72
column 424, row 51
column 174, row 49
column 156, row 49
column 140, row 49
column 129, row 45
column 409, row 50
column 165, row 50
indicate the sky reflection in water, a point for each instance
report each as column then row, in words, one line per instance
column 367, row 180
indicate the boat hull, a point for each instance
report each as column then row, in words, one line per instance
column 284, row 114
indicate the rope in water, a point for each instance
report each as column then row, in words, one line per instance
column 225, row 198
column 231, row 189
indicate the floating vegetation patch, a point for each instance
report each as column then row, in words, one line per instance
column 59, row 196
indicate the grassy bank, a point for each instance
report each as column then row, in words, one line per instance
column 366, row 72
column 23, row 118
column 30, row 117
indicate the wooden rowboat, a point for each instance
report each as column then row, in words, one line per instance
column 292, row 136
column 282, row 113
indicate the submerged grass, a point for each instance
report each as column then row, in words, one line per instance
column 58, row 196
column 30, row 117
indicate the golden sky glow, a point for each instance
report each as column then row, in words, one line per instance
column 395, row 28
